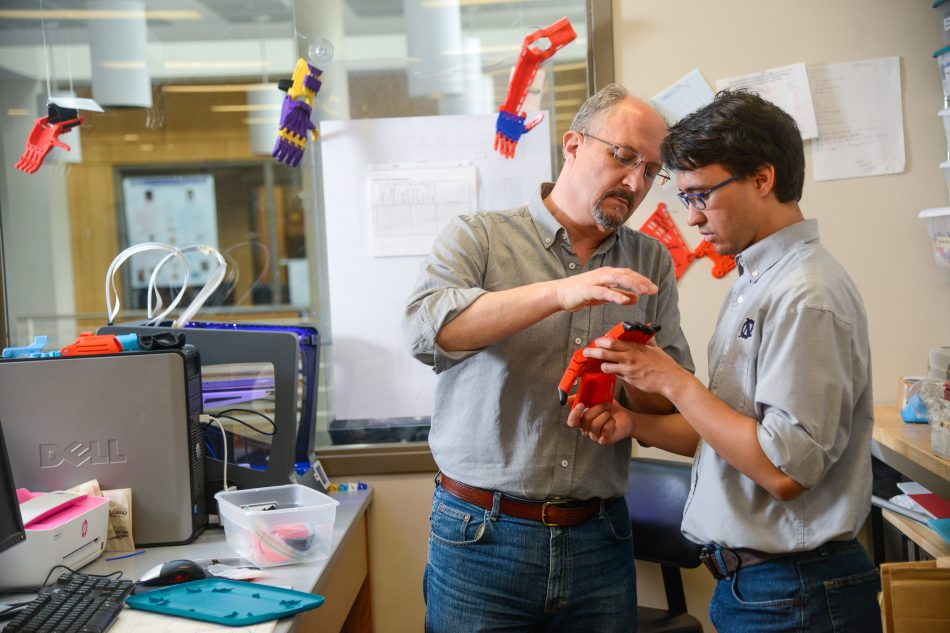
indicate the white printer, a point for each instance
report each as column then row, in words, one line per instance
column 70, row 532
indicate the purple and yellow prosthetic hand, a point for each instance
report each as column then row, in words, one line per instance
column 295, row 123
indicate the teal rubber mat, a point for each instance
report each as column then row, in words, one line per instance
column 223, row 601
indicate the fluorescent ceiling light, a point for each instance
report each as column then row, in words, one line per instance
column 118, row 65
column 92, row 14
column 439, row 4
column 218, row 87
column 245, row 107
column 258, row 120
column 257, row 64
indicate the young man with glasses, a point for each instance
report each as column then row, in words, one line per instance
column 781, row 438
column 529, row 527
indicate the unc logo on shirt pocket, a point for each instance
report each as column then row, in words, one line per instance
column 456, row 528
column 733, row 380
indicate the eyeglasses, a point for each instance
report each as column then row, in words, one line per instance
column 631, row 160
column 698, row 199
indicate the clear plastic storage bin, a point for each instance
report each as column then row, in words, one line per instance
column 278, row 525
column 938, row 226
column 943, row 66
column 943, row 16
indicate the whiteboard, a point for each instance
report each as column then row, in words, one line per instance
column 373, row 374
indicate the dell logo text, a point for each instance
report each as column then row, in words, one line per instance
column 95, row 452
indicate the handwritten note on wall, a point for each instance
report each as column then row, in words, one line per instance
column 787, row 87
column 860, row 119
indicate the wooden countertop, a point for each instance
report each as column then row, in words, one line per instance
column 909, row 441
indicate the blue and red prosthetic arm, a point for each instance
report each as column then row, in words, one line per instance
column 510, row 124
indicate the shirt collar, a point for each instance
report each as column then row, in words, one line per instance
column 761, row 256
column 548, row 227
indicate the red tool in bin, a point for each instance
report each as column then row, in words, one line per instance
column 596, row 386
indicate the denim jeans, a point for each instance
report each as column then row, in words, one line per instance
column 492, row 572
column 831, row 589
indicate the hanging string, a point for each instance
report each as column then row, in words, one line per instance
column 49, row 90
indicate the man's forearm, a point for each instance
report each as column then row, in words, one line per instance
column 497, row 315
column 668, row 432
column 644, row 402
column 732, row 435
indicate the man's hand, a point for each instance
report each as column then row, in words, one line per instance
column 644, row 367
column 605, row 423
column 603, row 285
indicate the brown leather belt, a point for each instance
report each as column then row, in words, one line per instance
column 733, row 559
column 553, row 513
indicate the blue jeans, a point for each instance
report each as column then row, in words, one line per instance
column 831, row 589
column 492, row 572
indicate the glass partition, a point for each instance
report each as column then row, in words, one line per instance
column 182, row 150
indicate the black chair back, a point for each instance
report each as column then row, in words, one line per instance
column 656, row 494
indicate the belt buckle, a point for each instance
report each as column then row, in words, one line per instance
column 709, row 559
column 544, row 509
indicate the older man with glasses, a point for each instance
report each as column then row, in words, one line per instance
column 529, row 527
column 781, row 439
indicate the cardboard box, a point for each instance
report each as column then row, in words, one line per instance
column 914, row 596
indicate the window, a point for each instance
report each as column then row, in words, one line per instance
column 192, row 105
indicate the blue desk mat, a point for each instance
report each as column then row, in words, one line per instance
column 223, row 601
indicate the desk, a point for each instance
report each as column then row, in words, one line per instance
column 342, row 579
column 906, row 448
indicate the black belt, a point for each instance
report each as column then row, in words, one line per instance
column 553, row 513
column 733, row 560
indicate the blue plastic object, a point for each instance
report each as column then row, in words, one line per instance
column 915, row 411
column 223, row 601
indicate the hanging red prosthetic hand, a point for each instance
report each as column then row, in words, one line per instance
column 511, row 120
column 45, row 136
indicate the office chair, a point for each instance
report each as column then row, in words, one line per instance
column 655, row 496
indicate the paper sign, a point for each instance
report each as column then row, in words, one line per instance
column 686, row 95
column 787, row 87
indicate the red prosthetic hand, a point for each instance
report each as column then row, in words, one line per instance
column 595, row 386
column 661, row 226
column 722, row 264
column 42, row 139
column 510, row 124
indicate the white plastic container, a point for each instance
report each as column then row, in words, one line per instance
column 943, row 66
column 938, row 226
column 945, row 117
column 278, row 525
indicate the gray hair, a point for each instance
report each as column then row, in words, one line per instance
column 596, row 106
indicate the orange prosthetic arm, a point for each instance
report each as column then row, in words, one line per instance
column 596, row 386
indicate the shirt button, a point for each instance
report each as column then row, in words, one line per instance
column 564, row 463
column 739, row 300
column 755, row 274
column 572, row 265
column 578, row 340
column 547, row 240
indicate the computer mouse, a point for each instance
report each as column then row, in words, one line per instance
column 172, row 573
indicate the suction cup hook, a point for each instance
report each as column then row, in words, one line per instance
column 320, row 52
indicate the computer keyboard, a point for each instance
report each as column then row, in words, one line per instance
column 76, row 603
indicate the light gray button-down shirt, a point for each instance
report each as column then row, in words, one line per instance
column 790, row 350
column 497, row 422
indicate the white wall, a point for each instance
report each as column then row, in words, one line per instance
column 869, row 224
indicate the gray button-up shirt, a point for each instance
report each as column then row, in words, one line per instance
column 497, row 422
column 790, row 350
